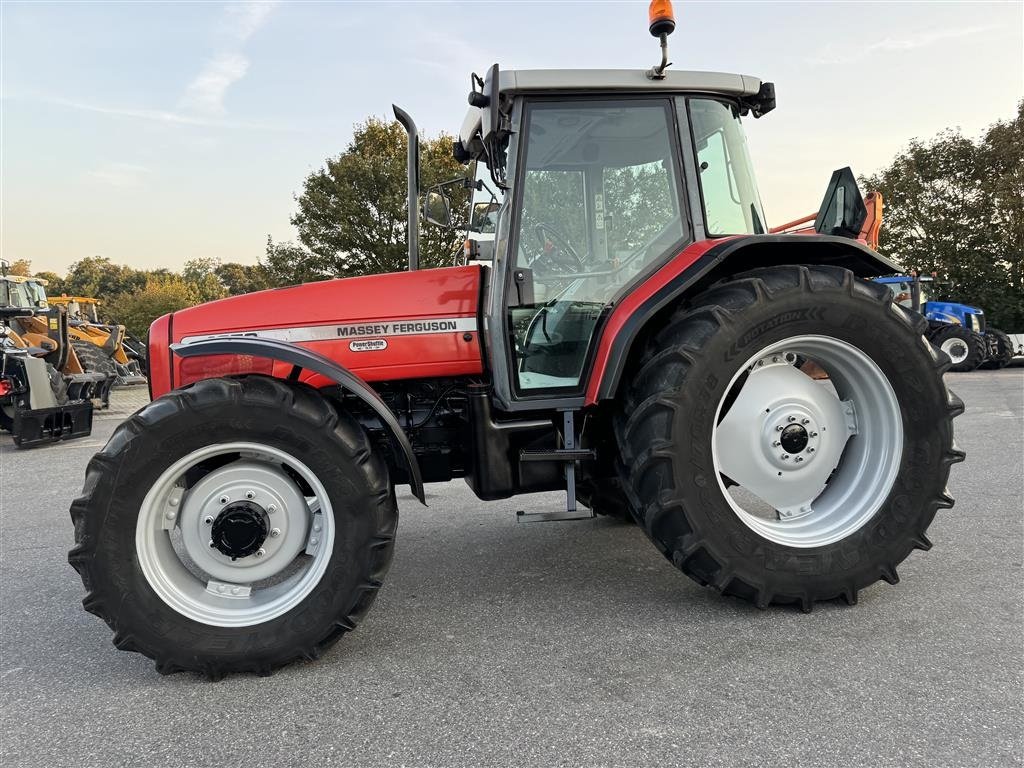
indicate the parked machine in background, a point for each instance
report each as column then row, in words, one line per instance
column 44, row 393
column 957, row 329
column 103, row 345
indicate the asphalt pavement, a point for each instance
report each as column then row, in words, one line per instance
column 497, row 643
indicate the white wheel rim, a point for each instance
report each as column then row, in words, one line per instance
column 956, row 349
column 849, row 452
column 208, row 586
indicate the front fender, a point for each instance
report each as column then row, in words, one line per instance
column 313, row 361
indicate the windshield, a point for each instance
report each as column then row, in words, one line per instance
column 731, row 203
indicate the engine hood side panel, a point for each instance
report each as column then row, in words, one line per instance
column 381, row 327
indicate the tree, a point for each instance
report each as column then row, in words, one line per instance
column 290, row 264
column 20, row 267
column 98, row 277
column 54, row 283
column 956, row 207
column 160, row 295
column 243, row 278
column 201, row 275
column 352, row 212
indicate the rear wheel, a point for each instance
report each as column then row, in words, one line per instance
column 964, row 348
column 235, row 525
column 771, row 485
column 1000, row 349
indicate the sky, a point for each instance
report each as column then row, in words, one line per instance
column 154, row 133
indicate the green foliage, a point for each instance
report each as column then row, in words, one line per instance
column 20, row 267
column 242, row 278
column 351, row 217
column 160, row 294
column 137, row 297
column 956, row 207
column 55, row 283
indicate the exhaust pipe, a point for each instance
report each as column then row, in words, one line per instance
column 413, row 166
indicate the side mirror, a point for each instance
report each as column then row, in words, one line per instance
column 485, row 217
column 436, row 209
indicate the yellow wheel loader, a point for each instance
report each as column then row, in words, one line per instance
column 108, row 341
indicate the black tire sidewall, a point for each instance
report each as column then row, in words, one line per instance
column 356, row 511
column 903, row 357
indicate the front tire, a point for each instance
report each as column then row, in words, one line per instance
column 734, row 500
column 234, row 526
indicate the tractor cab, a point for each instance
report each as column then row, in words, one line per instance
column 587, row 183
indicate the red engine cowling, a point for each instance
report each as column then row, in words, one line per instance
column 404, row 325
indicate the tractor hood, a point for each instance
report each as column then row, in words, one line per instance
column 381, row 327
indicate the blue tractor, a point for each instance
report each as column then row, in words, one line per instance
column 957, row 329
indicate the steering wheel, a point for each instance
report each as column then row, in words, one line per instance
column 557, row 256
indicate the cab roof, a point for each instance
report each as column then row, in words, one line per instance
column 540, row 80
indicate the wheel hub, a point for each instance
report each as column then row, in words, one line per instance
column 794, row 438
column 791, row 435
column 240, row 529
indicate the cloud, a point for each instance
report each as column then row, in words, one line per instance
column 205, row 94
column 829, row 55
column 152, row 115
column 124, row 175
column 243, row 19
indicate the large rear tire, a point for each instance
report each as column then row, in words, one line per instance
column 964, row 348
column 234, row 526
column 729, row 495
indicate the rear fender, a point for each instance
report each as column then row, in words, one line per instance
column 313, row 361
column 700, row 265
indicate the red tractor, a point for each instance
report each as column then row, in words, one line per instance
column 630, row 333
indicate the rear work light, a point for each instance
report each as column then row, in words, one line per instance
column 193, row 369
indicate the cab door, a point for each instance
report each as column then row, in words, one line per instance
column 597, row 206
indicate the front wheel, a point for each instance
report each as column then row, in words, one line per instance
column 788, row 436
column 234, row 525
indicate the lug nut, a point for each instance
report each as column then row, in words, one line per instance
column 208, row 520
column 799, row 458
column 778, row 428
column 272, row 508
column 250, row 494
column 776, row 444
column 805, row 421
column 314, row 541
column 261, row 552
column 810, row 450
column 792, row 419
column 814, row 434
column 785, row 456
column 212, row 545
column 275, row 532
column 224, row 499
column 174, row 501
column 170, row 514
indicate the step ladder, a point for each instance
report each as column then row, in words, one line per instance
column 568, row 454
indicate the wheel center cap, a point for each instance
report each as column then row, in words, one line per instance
column 240, row 529
column 794, row 438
